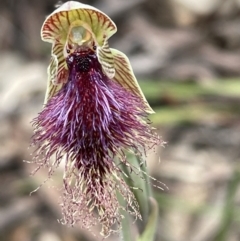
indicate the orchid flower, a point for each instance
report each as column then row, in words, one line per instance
column 94, row 113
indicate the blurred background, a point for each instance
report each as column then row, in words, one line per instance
column 186, row 56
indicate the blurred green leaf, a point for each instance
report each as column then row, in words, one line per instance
column 185, row 90
column 228, row 211
column 184, row 102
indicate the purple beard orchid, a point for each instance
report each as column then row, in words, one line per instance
column 94, row 113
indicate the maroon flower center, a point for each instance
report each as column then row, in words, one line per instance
column 83, row 60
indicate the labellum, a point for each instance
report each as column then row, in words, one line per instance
column 94, row 113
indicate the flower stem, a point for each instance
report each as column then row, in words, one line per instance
column 126, row 232
column 143, row 193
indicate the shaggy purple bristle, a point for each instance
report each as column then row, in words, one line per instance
column 91, row 122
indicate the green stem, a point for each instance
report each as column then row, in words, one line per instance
column 141, row 189
column 125, row 222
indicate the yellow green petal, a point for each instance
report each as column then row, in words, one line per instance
column 105, row 57
column 125, row 77
column 51, row 90
column 58, row 67
column 57, row 72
